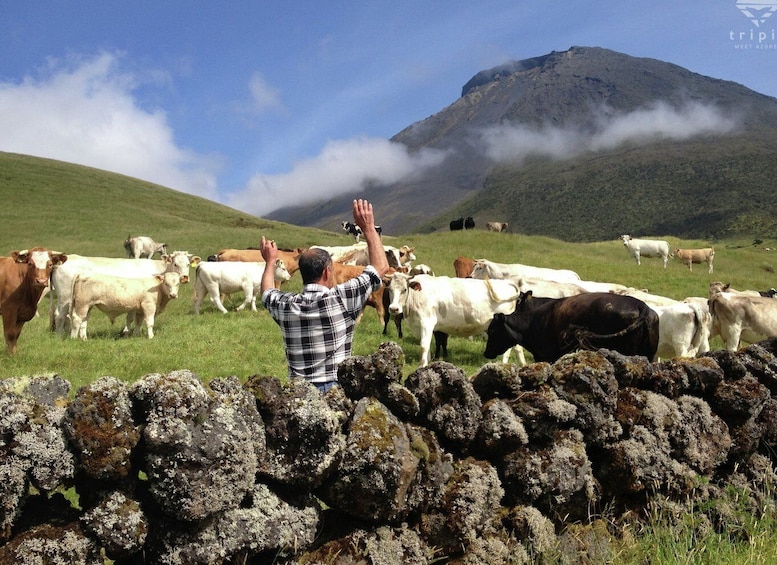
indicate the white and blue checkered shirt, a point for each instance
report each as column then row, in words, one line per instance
column 317, row 324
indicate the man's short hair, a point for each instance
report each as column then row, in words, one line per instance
column 312, row 264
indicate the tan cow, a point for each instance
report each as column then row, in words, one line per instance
column 146, row 297
column 691, row 256
column 23, row 277
column 497, row 226
column 344, row 273
column 736, row 315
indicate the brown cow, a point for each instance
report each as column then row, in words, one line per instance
column 290, row 257
column 463, row 267
column 344, row 273
column 691, row 256
column 23, row 277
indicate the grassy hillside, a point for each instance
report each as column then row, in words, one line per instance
column 80, row 210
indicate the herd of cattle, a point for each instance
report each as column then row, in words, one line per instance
column 549, row 312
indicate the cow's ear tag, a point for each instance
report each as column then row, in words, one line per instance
column 415, row 285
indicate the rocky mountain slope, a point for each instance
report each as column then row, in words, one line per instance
column 586, row 144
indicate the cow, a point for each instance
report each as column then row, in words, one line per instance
column 457, row 224
column 144, row 297
column 142, row 246
column 469, row 223
column 546, row 289
column 638, row 248
column 24, row 275
column 691, row 256
column 355, row 230
column 552, row 327
column 463, row 266
column 290, row 257
column 227, row 277
column 717, row 286
column 485, row 269
column 683, row 329
column 497, row 226
column 455, row 306
column 771, row 293
column 357, row 254
column 738, row 316
column 62, row 277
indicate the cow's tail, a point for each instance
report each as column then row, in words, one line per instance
column 701, row 335
column 196, row 272
column 496, row 298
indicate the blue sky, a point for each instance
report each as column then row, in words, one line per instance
column 263, row 104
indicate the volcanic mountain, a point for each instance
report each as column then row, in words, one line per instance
column 584, row 144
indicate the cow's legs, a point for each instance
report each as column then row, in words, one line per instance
column 11, row 331
column 248, row 290
column 215, row 297
column 426, row 341
column 518, row 352
column 730, row 335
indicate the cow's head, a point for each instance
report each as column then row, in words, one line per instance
column 39, row 261
column 625, row 239
column 171, row 282
column 179, row 262
column 281, row 273
column 398, row 285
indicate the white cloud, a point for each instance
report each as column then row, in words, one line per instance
column 661, row 121
column 341, row 167
column 85, row 112
column 263, row 96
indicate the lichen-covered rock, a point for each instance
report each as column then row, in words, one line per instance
column 585, row 543
column 383, row 546
column 230, row 391
column 767, row 420
column 543, row 413
column 303, row 433
column 703, row 374
column 586, row 379
column 199, row 451
column 13, row 488
column 378, row 467
column 556, row 479
column 702, row 438
column 501, row 430
column 643, row 462
column 434, row 470
column 118, row 523
column 31, row 434
column 630, row 370
column 469, row 508
column 379, row 375
column 729, row 362
column 51, row 544
column 503, row 380
column 264, row 523
column 493, row 550
column 761, row 363
column 739, row 398
column 669, row 379
column 102, row 430
column 532, row 529
column 448, row 403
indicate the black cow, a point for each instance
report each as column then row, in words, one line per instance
column 457, row 224
column 771, row 293
column 355, row 230
column 469, row 223
column 552, row 327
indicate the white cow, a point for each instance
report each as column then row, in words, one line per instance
column 226, row 277
column 683, row 329
column 142, row 246
column 460, row 307
column 646, row 297
column 485, row 269
column 146, row 297
column 62, row 277
column 646, row 248
column 738, row 316
column 546, row 289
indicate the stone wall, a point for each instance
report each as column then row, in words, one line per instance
column 498, row 467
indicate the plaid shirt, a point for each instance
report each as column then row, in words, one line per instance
column 317, row 324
